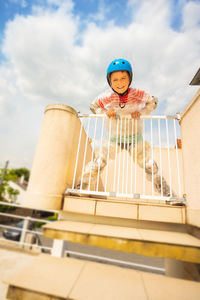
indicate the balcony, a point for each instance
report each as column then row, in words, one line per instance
column 111, row 195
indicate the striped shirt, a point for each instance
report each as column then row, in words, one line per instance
column 134, row 100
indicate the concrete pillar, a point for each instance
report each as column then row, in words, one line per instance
column 23, row 232
column 53, row 165
column 59, row 248
column 190, row 135
column 174, row 268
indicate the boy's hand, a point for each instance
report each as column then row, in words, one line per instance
column 93, row 108
column 110, row 113
column 135, row 115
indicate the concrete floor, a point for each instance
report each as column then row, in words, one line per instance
column 116, row 283
column 11, row 261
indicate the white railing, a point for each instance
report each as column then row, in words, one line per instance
column 35, row 240
column 129, row 158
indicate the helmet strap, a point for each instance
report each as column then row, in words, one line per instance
column 123, row 94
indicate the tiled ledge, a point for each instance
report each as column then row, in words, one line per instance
column 76, row 279
column 157, row 243
column 125, row 209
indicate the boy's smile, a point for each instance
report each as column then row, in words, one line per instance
column 120, row 81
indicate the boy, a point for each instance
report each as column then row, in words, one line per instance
column 124, row 101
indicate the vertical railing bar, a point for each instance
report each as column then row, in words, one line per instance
column 177, row 160
column 86, row 142
column 24, row 230
column 94, row 138
column 102, row 129
column 170, row 180
column 132, row 159
column 119, row 169
column 116, row 145
column 144, row 158
column 77, row 155
column 123, row 175
column 127, row 155
column 152, row 173
column 135, row 154
column 160, row 150
column 108, row 153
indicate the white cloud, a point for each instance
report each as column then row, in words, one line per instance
column 152, row 14
column 7, row 90
column 191, row 16
column 39, row 49
column 102, row 10
column 49, row 60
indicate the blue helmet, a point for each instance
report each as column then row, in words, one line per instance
column 119, row 64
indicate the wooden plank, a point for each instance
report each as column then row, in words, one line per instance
column 162, row 213
column 117, row 210
column 123, row 208
column 79, row 205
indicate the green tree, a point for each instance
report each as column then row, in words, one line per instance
column 12, row 192
column 20, row 172
column 5, row 177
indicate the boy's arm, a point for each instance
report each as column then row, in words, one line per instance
column 95, row 109
column 151, row 104
column 98, row 106
column 146, row 103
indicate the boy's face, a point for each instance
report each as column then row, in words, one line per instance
column 119, row 81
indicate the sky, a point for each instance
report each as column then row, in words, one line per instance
column 57, row 51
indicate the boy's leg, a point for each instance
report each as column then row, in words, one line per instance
column 92, row 168
column 151, row 168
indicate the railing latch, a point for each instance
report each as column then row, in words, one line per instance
column 112, row 194
column 176, row 201
column 136, row 196
column 178, row 116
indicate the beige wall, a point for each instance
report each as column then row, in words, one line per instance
column 53, row 166
column 190, row 132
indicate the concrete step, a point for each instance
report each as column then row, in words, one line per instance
column 51, row 278
column 135, row 209
column 156, row 243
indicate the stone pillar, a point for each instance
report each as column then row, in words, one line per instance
column 174, row 268
column 59, row 248
column 53, row 165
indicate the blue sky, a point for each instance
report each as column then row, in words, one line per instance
column 113, row 10
column 83, row 8
column 58, row 51
column 108, row 10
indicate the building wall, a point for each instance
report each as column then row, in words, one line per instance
column 190, row 132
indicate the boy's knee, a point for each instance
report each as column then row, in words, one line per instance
column 151, row 167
